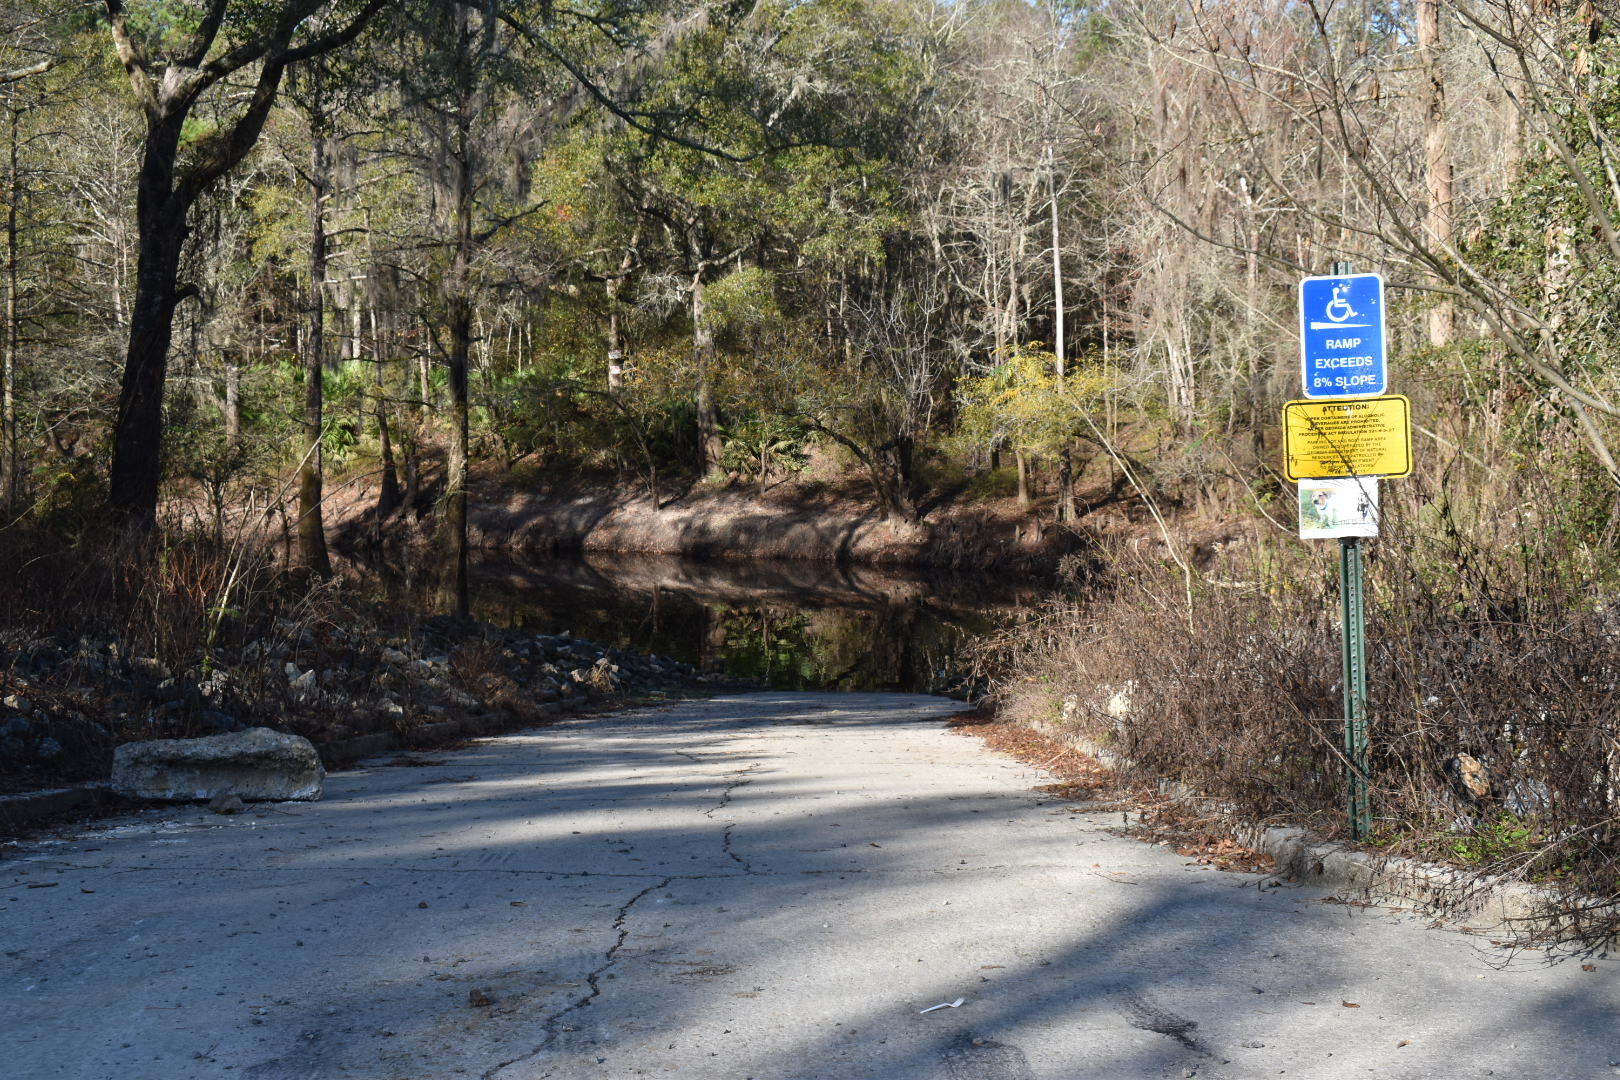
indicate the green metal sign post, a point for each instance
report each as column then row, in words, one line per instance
column 1352, row 608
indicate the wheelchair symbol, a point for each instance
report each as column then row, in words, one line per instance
column 1339, row 309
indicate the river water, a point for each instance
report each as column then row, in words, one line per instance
column 793, row 625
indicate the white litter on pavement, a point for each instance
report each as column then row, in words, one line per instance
column 957, row 1004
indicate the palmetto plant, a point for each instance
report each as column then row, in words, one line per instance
column 762, row 447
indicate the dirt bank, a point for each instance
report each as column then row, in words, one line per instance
column 789, row 523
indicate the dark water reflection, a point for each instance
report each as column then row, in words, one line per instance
column 793, row 625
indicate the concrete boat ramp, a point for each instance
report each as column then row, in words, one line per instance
column 777, row 886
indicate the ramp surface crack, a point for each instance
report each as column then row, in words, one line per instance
column 551, row 1025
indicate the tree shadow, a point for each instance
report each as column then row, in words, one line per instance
column 690, row 891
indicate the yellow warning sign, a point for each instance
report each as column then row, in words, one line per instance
column 1364, row 437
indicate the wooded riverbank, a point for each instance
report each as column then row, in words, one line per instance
column 107, row 643
column 790, row 523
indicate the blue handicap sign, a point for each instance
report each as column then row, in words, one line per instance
column 1341, row 334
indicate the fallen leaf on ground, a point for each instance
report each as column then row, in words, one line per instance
column 1349, row 1004
column 1083, row 778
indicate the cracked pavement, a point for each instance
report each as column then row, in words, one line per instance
column 768, row 885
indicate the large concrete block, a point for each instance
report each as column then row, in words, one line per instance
column 256, row 764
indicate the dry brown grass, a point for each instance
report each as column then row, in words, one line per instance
column 1508, row 657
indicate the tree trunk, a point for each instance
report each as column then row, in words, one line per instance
column 1437, row 158
column 356, row 344
column 708, row 416
column 137, row 458
column 423, row 377
column 898, row 459
column 233, row 399
column 460, row 327
column 413, row 477
column 10, row 453
column 1057, row 269
column 166, row 190
column 1512, row 141
column 455, row 495
column 388, row 494
column 312, row 554
column 615, row 354
column 1065, row 502
column 615, row 345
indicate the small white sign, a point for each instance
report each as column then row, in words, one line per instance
column 1329, row 509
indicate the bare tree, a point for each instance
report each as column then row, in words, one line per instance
column 314, row 102
column 1436, row 157
column 474, row 137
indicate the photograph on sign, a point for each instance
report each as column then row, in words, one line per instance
column 1329, row 509
column 1341, row 336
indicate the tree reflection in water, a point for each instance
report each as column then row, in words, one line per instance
column 791, row 625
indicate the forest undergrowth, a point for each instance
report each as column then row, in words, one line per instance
column 117, row 637
column 1493, row 677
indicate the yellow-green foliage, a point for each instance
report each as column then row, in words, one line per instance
column 1025, row 403
column 743, row 302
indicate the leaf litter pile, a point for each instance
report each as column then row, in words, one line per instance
column 1152, row 818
